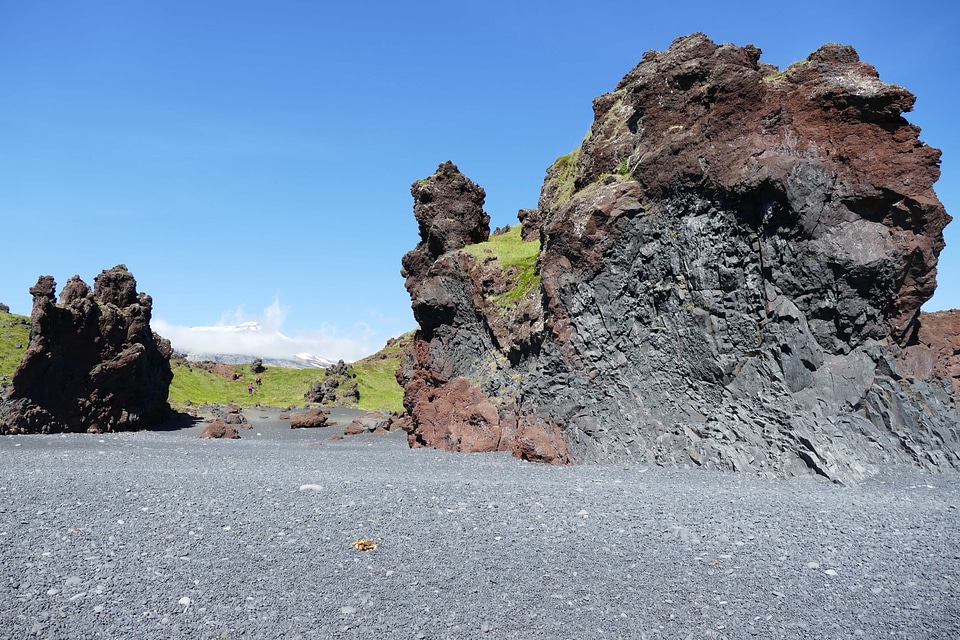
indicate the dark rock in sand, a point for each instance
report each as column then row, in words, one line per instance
column 92, row 364
column 229, row 414
column 220, row 429
column 400, row 421
column 730, row 274
column 354, row 429
column 309, row 418
column 369, row 422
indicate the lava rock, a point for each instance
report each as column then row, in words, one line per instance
column 308, row 418
column 93, row 363
column 730, row 273
column 220, row 429
column 448, row 207
column 369, row 422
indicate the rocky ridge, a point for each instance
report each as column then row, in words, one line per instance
column 729, row 274
column 93, row 363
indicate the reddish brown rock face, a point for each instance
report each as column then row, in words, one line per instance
column 730, row 266
column 220, row 429
column 369, row 422
column 308, row 418
column 815, row 162
column 93, row 364
column 936, row 352
column 448, row 207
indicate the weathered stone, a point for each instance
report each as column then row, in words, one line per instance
column 309, row 418
column 220, row 429
column 92, row 364
column 354, row 429
column 448, row 207
column 935, row 354
column 731, row 270
column 369, row 422
column 400, row 421
column 337, row 386
column 339, row 369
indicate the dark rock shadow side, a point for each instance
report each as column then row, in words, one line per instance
column 93, row 363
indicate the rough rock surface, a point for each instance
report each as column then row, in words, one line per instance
column 309, row 418
column 92, row 364
column 337, row 386
column 220, row 429
column 935, row 354
column 369, row 422
column 448, row 207
column 731, row 268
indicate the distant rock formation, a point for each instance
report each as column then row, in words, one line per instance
column 92, row 364
column 730, row 273
column 337, row 386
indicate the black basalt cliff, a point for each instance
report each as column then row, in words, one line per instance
column 729, row 275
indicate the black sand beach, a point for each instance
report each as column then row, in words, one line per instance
column 165, row 535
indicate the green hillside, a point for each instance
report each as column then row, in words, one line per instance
column 375, row 377
column 14, row 337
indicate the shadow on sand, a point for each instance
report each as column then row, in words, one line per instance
column 176, row 422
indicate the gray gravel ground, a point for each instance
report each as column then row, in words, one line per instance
column 164, row 535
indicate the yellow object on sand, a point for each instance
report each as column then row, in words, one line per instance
column 364, row 545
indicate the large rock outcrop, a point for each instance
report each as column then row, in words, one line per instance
column 729, row 274
column 93, row 364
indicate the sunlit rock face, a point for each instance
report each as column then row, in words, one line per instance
column 729, row 275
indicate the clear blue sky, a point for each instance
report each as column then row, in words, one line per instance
column 251, row 160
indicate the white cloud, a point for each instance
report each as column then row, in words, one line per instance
column 261, row 337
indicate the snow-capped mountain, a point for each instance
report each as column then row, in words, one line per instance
column 241, row 344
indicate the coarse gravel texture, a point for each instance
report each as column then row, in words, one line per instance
column 164, row 535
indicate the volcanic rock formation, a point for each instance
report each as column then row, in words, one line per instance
column 729, row 274
column 93, row 364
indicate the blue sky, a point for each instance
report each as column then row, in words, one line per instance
column 253, row 160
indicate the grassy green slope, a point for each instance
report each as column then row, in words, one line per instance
column 14, row 337
column 284, row 387
column 376, row 377
column 281, row 387
column 512, row 252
